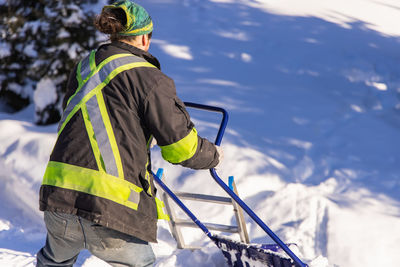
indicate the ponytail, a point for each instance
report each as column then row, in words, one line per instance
column 112, row 22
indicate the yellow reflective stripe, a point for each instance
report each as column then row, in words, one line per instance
column 148, row 179
column 92, row 61
column 79, row 76
column 182, row 150
column 91, row 182
column 110, row 133
column 104, row 62
column 92, row 138
column 101, row 86
column 97, row 69
column 160, row 212
column 149, row 141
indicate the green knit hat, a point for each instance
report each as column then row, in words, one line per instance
column 138, row 21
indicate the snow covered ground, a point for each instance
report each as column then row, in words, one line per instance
column 313, row 92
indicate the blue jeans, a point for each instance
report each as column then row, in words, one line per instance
column 68, row 234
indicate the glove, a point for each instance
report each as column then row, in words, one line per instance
column 221, row 156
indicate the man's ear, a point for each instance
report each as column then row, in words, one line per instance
column 145, row 40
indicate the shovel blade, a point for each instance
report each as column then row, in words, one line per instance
column 239, row 254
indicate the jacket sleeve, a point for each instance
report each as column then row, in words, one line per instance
column 169, row 123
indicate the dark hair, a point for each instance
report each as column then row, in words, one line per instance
column 112, row 21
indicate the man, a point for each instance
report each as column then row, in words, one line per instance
column 97, row 192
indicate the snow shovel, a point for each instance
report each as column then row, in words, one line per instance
column 236, row 253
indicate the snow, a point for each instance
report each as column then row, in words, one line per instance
column 4, row 50
column 16, row 258
column 45, row 93
column 74, row 50
column 246, row 57
column 63, row 34
column 30, row 51
column 177, row 51
column 72, row 14
column 235, row 35
column 379, row 15
column 4, row 225
column 218, row 82
column 25, row 90
column 33, row 27
column 312, row 89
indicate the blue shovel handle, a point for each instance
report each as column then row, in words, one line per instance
column 214, row 174
column 224, row 121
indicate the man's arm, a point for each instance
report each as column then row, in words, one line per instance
column 170, row 124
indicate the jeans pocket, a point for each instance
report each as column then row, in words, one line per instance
column 109, row 238
column 56, row 224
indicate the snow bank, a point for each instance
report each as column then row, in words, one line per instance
column 16, row 259
column 24, row 150
column 380, row 15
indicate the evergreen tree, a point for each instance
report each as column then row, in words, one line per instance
column 41, row 42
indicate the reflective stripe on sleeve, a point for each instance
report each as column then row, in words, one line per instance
column 182, row 150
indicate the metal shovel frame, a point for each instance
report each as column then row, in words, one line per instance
column 214, row 174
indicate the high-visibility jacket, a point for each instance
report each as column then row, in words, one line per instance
column 117, row 100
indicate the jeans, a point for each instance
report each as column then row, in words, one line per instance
column 68, row 234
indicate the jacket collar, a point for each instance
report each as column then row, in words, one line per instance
column 138, row 52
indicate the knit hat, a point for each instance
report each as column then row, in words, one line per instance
column 138, row 21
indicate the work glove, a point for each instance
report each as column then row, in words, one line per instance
column 221, row 156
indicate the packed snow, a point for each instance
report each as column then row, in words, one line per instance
column 313, row 93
